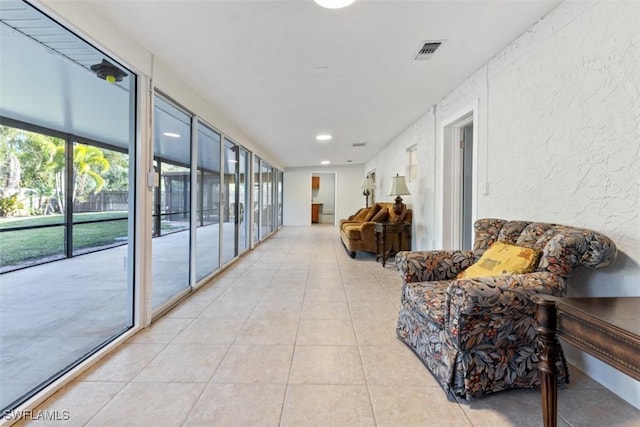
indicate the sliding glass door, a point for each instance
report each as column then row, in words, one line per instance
column 235, row 198
column 230, row 200
column 68, row 200
column 171, row 202
column 243, row 200
column 208, row 197
column 67, row 144
column 257, row 202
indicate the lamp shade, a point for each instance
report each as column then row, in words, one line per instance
column 398, row 186
column 367, row 184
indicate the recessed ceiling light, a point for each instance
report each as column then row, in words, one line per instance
column 334, row 4
column 323, row 137
column 171, row 134
column 325, row 162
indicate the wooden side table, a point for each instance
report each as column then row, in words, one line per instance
column 607, row 328
column 382, row 230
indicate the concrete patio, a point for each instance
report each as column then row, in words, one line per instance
column 54, row 314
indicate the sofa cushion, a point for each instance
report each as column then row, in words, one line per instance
column 362, row 215
column 381, row 216
column 373, row 211
column 501, row 259
column 533, row 232
column 511, row 231
column 427, row 299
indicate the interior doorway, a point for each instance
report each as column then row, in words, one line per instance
column 459, row 147
column 323, row 198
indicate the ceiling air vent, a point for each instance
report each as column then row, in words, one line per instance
column 427, row 49
column 359, row 144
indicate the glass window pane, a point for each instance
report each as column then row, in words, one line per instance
column 32, row 182
column 89, row 237
column 266, row 199
column 28, row 247
column 58, row 308
column 229, row 195
column 413, row 163
column 100, row 198
column 280, row 181
column 257, row 203
column 243, row 212
column 208, row 196
column 172, row 202
column 172, row 132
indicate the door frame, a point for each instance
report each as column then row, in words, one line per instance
column 450, row 185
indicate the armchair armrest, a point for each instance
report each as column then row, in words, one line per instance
column 427, row 266
column 496, row 310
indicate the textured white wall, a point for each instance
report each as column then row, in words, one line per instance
column 567, row 114
column 393, row 159
column 558, row 141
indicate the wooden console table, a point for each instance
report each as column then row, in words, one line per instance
column 607, row 328
column 382, row 230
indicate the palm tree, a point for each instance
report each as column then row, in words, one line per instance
column 37, row 162
column 89, row 163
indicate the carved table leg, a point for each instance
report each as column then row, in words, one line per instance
column 382, row 252
column 546, row 328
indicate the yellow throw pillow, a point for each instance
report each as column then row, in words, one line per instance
column 503, row 259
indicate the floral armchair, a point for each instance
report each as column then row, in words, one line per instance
column 476, row 335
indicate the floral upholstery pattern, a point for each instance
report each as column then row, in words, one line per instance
column 477, row 335
column 426, row 266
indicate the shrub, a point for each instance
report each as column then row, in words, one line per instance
column 10, row 205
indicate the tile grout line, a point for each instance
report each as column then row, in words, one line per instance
column 355, row 333
column 293, row 352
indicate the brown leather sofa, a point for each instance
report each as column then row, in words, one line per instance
column 357, row 233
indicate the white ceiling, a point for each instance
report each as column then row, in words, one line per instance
column 257, row 61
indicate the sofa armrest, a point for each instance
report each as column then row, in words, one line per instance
column 367, row 231
column 344, row 222
column 364, row 227
column 496, row 310
column 428, row 266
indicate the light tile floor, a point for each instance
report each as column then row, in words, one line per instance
column 297, row 334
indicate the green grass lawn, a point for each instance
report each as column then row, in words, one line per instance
column 20, row 246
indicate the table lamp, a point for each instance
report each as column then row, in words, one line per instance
column 367, row 185
column 398, row 188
